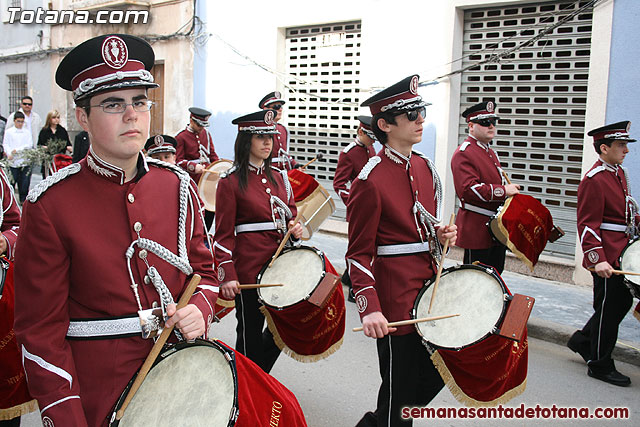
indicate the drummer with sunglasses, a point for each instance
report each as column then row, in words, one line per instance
column 107, row 246
column 394, row 208
column 280, row 157
column 608, row 220
column 255, row 207
column 480, row 186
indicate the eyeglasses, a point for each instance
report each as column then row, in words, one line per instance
column 413, row 114
column 27, row 103
column 119, row 107
column 486, row 122
column 276, row 107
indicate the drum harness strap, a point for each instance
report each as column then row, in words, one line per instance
column 631, row 209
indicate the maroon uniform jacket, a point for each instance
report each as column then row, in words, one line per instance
column 604, row 213
column 194, row 148
column 10, row 221
column 351, row 160
column 246, row 234
column 479, row 186
column 383, row 214
column 280, row 153
column 76, row 261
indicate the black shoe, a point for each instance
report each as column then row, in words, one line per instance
column 614, row 377
column 370, row 419
column 351, row 297
column 573, row 346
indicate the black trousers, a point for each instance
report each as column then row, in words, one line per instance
column 252, row 338
column 493, row 256
column 409, row 379
column 14, row 422
column 611, row 302
column 208, row 220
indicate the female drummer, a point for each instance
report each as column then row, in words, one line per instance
column 254, row 208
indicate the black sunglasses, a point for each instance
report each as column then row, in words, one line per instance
column 413, row 114
column 26, row 103
column 486, row 122
column 276, row 107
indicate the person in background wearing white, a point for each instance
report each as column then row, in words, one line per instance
column 32, row 120
column 17, row 139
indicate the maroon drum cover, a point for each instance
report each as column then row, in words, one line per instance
column 14, row 396
column 302, row 330
column 60, row 161
column 302, row 184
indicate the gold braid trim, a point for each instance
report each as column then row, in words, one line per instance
column 304, row 358
column 465, row 399
column 18, row 410
column 225, row 302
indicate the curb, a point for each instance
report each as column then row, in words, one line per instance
column 560, row 334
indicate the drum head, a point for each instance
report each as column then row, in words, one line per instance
column 317, row 207
column 630, row 261
column 208, row 183
column 191, row 385
column 471, row 291
column 299, row 270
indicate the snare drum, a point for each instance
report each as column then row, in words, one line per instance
column 190, row 384
column 307, row 315
column 480, row 367
column 312, row 200
column 477, row 293
column 208, row 183
column 630, row 261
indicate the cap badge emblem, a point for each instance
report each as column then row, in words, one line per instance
column 114, row 52
column 413, row 86
column 268, row 117
column 490, row 107
column 158, row 140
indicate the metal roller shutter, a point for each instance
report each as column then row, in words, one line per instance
column 321, row 115
column 541, row 93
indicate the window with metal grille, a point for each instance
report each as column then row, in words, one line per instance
column 541, row 95
column 17, row 89
column 323, row 79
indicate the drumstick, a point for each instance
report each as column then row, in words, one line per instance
column 157, row 347
column 629, row 273
column 317, row 157
column 284, row 240
column 412, row 321
column 259, row 285
column 444, row 251
column 506, row 177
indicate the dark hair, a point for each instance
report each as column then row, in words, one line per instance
column 84, row 104
column 606, row 142
column 242, row 148
column 389, row 117
column 18, row 115
column 26, row 97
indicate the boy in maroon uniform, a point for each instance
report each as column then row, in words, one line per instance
column 607, row 220
column 280, row 157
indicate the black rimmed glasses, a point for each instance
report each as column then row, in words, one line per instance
column 119, row 107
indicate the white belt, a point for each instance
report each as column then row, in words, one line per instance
column 403, row 249
column 104, row 328
column 476, row 209
column 255, row 226
column 609, row 226
column 279, row 159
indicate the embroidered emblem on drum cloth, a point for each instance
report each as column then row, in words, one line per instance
column 361, row 303
column 220, row 273
column 47, row 422
column 99, row 169
column 498, row 191
column 368, row 167
column 331, row 312
column 593, row 257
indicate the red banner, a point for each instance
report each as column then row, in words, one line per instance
column 302, row 184
column 306, row 332
column 488, row 373
column 263, row 400
column 523, row 225
column 14, row 396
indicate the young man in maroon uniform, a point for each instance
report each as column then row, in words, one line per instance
column 280, row 157
column 394, row 239
column 353, row 157
column 607, row 220
column 195, row 150
column 105, row 241
column 480, row 186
